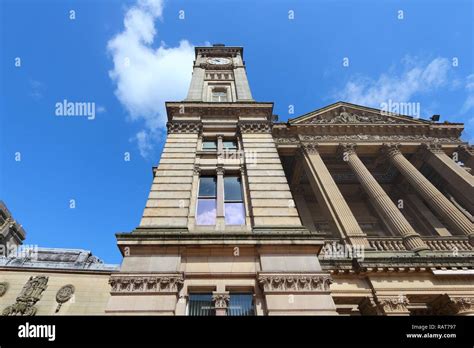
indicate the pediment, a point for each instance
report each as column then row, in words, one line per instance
column 345, row 113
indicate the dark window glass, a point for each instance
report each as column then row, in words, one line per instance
column 230, row 144
column 209, row 145
column 232, row 188
column 241, row 304
column 207, row 186
column 201, row 305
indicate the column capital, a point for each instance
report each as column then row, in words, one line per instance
column 395, row 305
column 391, row 149
column 310, row 148
column 220, row 299
column 451, row 305
column 346, row 149
column 220, row 170
column 432, row 147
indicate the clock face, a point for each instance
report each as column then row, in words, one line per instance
column 218, row 61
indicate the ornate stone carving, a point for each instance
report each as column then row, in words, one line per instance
column 146, row 284
column 391, row 149
column 3, row 288
column 285, row 140
column 394, row 305
column 349, row 117
column 449, row 305
column 196, row 169
column 64, row 294
column 294, row 282
column 311, row 148
column 254, row 127
column 370, row 137
column 183, row 127
column 30, row 294
column 221, row 300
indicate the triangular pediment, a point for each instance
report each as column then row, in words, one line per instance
column 346, row 113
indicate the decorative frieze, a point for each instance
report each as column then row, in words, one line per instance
column 255, row 127
column 282, row 282
column 146, row 284
column 29, row 296
column 370, row 137
column 183, row 127
column 345, row 117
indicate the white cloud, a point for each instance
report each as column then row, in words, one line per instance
column 415, row 78
column 469, row 102
column 146, row 76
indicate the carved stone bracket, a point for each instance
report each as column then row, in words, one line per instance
column 184, row 127
column 29, row 296
column 146, row 283
column 287, row 282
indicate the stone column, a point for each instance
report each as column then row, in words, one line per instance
column 221, row 302
column 460, row 180
column 429, row 192
column 330, row 198
column 381, row 201
column 466, row 154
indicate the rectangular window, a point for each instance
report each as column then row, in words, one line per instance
column 241, row 304
column 229, row 144
column 233, row 201
column 207, row 201
column 201, row 305
column 209, row 145
column 219, row 95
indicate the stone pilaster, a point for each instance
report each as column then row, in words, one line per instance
column 457, row 177
column 389, row 212
column 330, row 198
column 429, row 192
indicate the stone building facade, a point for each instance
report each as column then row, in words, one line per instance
column 345, row 210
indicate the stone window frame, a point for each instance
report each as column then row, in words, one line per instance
column 229, row 169
column 227, row 84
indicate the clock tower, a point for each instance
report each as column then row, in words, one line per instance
column 219, row 75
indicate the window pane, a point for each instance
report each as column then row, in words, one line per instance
column 207, row 186
column 234, row 213
column 209, row 145
column 201, row 304
column 232, row 188
column 230, row 144
column 206, row 212
column 240, row 304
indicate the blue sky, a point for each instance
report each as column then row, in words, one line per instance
column 425, row 57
